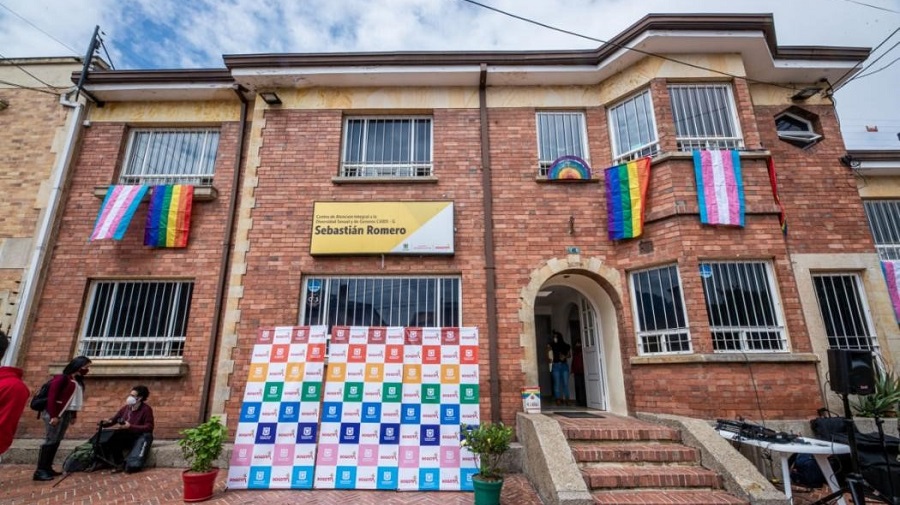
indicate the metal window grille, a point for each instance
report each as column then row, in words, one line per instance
column 381, row 301
column 884, row 221
column 560, row 134
column 744, row 314
column 182, row 156
column 633, row 128
column 387, row 147
column 137, row 319
column 704, row 117
column 659, row 311
column 844, row 311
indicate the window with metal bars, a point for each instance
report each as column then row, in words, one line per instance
column 632, row 126
column 560, row 134
column 845, row 312
column 659, row 311
column 744, row 312
column 705, row 117
column 387, row 147
column 171, row 156
column 136, row 319
column 381, row 301
column 884, row 222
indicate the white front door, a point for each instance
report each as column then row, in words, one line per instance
column 594, row 376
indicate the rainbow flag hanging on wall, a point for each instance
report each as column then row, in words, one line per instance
column 118, row 208
column 891, row 271
column 169, row 217
column 626, row 197
column 720, row 188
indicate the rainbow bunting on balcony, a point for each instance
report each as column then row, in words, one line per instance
column 118, row 208
column 169, row 216
column 626, row 198
column 891, row 271
column 720, row 189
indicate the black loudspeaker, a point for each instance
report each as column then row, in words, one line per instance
column 851, row 372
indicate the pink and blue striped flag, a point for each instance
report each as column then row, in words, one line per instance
column 169, row 217
column 626, row 198
column 891, row 271
column 117, row 210
column 720, row 189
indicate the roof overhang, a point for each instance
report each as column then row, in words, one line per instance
column 872, row 162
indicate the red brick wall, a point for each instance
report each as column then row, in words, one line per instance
column 75, row 262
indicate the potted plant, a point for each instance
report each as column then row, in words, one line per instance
column 488, row 442
column 201, row 447
column 884, row 400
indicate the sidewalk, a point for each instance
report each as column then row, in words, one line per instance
column 163, row 485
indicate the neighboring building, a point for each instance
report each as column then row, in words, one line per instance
column 686, row 319
column 38, row 122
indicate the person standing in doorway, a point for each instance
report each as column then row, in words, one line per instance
column 13, row 395
column 561, row 351
column 64, row 399
column 578, row 372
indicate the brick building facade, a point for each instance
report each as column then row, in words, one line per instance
column 530, row 254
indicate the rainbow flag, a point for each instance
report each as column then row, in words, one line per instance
column 116, row 211
column 891, row 271
column 626, row 196
column 169, row 217
column 720, row 189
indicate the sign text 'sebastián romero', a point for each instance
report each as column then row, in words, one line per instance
column 382, row 228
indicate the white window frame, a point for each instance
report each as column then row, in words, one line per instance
column 883, row 217
column 567, row 137
column 667, row 340
column 364, row 290
column 835, row 318
column 802, row 138
column 99, row 338
column 729, row 338
column 635, row 151
column 366, row 168
column 165, row 166
column 712, row 140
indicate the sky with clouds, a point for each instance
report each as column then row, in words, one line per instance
column 196, row 33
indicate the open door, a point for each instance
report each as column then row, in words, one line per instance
column 594, row 375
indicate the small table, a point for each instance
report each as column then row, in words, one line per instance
column 820, row 449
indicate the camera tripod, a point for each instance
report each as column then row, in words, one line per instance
column 855, row 483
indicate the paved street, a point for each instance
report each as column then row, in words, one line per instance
column 163, row 485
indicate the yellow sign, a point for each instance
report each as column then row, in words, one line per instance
column 382, row 228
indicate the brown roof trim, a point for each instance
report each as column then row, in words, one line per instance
column 170, row 76
column 675, row 22
column 875, row 154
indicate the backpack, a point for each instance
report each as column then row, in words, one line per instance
column 39, row 400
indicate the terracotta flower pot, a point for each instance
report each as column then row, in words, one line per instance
column 199, row 486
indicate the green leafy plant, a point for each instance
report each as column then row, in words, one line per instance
column 202, row 445
column 884, row 400
column 488, row 442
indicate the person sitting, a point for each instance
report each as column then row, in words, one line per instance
column 131, row 429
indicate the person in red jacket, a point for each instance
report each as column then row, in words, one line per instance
column 64, row 399
column 132, row 431
column 13, row 395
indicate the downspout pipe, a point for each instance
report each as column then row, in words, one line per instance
column 28, row 289
column 227, row 246
column 490, row 268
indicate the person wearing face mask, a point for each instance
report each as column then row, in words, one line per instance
column 132, row 431
column 65, row 398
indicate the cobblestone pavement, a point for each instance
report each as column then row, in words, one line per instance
column 163, row 485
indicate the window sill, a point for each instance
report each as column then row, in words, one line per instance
column 131, row 368
column 731, row 357
column 201, row 193
column 384, row 180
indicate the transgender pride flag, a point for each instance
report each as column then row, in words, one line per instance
column 117, row 210
column 720, row 190
column 891, row 271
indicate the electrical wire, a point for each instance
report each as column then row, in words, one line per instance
column 620, row 46
column 20, row 86
column 14, row 13
column 108, row 57
column 872, row 6
column 838, row 84
column 876, row 71
column 36, row 78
